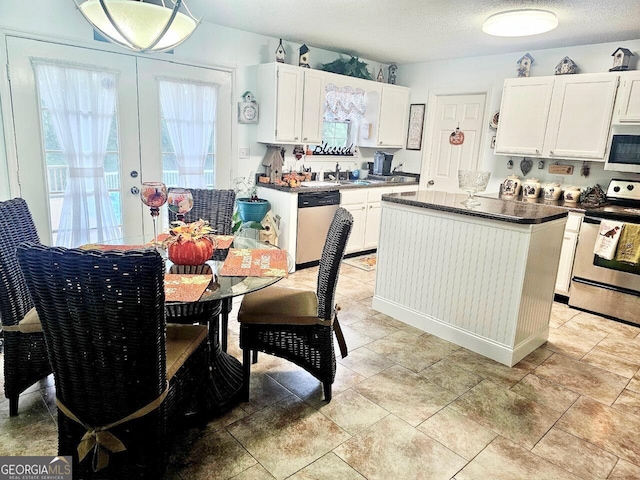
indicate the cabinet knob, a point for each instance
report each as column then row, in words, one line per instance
column 537, row 151
column 295, row 138
column 370, row 207
column 363, row 207
column 550, row 152
column 379, row 143
column 305, row 139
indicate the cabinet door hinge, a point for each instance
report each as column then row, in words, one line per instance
column 276, row 133
column 8, row 73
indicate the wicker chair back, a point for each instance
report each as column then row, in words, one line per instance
column 330, row 261
column 215, row 206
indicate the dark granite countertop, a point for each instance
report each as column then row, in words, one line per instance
column 492, row 209
column 329, row 188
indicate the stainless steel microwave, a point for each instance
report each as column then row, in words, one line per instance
column 624, row 154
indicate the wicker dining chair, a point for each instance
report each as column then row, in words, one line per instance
column 215, row 206
column 25, row 352
column 298, row 325
column 119, row 370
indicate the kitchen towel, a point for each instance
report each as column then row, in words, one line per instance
column 629, row 244
column 608, row 237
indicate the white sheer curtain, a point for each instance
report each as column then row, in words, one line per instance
column 189, row 111
column 81, row 103
column 344, row 104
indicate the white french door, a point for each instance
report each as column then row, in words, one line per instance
column 136, row 145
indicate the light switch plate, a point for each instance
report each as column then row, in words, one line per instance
column 244, row 152
column 561, row 169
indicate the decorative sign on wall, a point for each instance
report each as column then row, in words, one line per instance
column 416, row 121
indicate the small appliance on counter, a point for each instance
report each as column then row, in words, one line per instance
column 382, row 163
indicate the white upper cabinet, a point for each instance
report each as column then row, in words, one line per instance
column 557, row 117
column 291, row 104
column 523, row 116
column 394, row 115
column 580, row 116
column 628, row 102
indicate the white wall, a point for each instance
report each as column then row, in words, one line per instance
column 211, row 45
column 488, row 74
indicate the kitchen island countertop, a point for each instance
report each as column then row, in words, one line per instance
column 490, row 208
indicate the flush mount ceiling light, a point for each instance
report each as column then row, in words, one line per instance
column 520, row 23
column 141, row 26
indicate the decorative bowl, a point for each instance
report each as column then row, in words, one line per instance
column 472, row 181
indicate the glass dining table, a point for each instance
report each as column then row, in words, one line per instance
column 226, row 371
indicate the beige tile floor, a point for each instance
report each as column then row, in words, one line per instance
column 408, row 405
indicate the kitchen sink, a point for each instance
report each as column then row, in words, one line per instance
column 359, row 182
column 394, row 178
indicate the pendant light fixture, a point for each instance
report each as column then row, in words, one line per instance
column 139, row 25
column 520, row 23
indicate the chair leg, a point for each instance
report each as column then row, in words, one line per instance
column 255, row 356
column 327, row 391
column 13, row 405
column 246, row 373
column 223, row 330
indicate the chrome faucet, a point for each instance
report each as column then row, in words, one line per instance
column 397, row 168
column 337, row 172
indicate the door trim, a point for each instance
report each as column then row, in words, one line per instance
column 425, row 161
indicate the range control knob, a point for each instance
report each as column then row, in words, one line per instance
column 630, row 187
column 616, row 189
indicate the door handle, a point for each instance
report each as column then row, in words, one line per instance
column 430, row 183
column 135, row 190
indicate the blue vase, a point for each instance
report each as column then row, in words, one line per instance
column 252, row 211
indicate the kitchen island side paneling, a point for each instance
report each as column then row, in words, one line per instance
column 482, row 283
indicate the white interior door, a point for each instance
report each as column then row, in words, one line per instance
column 443, row 160
column 42, row 172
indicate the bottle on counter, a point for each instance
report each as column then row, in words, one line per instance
column 572, row 195
column 511, row 186
column 531, row 188
column 552, row 191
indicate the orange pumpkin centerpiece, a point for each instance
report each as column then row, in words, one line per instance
column 189, row 243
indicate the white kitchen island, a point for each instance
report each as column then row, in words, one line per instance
column 482, row 277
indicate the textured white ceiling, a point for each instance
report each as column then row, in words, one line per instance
column 412, row 31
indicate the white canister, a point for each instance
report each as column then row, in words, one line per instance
column 572, row 194
column 531, row 188
column 511, row 186
column 552, row 191
column 364, row 173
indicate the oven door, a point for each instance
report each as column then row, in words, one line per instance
column 607, row 287
column 590, row 267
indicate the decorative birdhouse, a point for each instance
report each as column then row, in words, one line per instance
column 280, row 53
column 524, row 65
column 248, row 96
column 380, row 77
column 566, row 66
column 270, row 230
column 621, row 59
column 304, row 57
column 393, row 71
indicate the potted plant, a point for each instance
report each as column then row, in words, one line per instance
column 190, row 243
column 250, row 210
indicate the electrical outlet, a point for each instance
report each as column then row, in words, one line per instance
column 244, row 152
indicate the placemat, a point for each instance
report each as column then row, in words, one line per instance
column 243, row 262
column 223, row 241
column 184, row 287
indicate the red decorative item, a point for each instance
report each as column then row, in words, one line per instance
column 191, row 252
column 457, row 137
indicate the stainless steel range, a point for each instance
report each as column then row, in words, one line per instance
column 603, row 286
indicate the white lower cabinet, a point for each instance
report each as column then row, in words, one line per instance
column 568, row 252
column 365, row 206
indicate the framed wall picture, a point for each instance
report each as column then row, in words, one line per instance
column 416, row 123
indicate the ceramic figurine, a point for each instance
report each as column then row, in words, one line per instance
column 304, row 57
column 566, row 66
column 524, row 65
column 393, row 71
column 380, row 75
column 621, row 59
column 280, row 53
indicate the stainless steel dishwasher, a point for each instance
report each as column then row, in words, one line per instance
column 315, row 212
